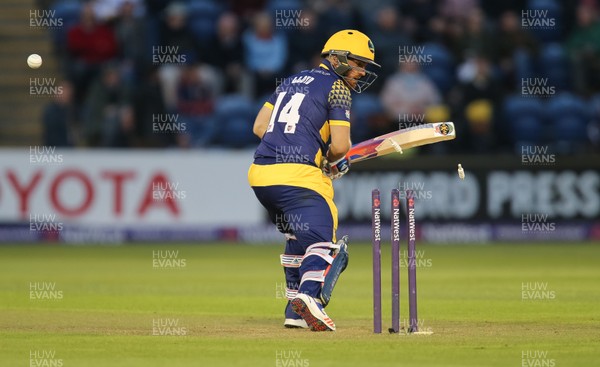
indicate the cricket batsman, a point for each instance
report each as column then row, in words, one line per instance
column 305, row 134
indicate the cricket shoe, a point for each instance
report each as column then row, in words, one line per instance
column 312, row 312
column 293, row 320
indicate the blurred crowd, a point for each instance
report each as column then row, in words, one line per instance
column 194, row 73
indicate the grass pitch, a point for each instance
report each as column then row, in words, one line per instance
column 501, row 305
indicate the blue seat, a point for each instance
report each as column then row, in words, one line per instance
column 594, row 106
column 202, row 130
column 441, row 77
column 439, row 55
column 527, row 130
column 274, row 5
column 202, row 19
column 569, row 116
column 68, row 11
column 524, row 116
column 364, row 106
column 235, row 116
column 554, row 64
column 552, row 13
column 441, row 68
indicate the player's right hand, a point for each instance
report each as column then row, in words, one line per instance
column 337, row 169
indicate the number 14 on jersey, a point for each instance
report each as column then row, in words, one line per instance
column 288, row 114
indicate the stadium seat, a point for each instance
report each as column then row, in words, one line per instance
column 569, row 116
column 594, row 107
column 524, row 65
column 439, row 55
column 202, row 18
column 284, row 5
column 552, row 11
column 554, row 64
column 202, row 130
column 364, row 105
column 441, row 77
column 528, row 130
column 68, row 11
column 441, row 68
column 235, row 116
column 524, row 118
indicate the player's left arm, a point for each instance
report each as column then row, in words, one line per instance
column 262, row 121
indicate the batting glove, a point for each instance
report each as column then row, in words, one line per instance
column 337, row 169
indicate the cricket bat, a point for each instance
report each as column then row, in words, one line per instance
column 400, row 140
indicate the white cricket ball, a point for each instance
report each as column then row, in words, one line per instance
column 34, row 61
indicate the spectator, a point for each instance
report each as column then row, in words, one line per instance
column 265, row 53
column 130, row 32
column 476, row 39
column 458, row 9
column 195, row 104
column 109, row 10
column 417, row 17
column 339, row 14
column 387, row 38
column 246, row 9
column 107, row 95
column 149, row 106
column 58, row 118
column 408, row 93
column 584, row 48
column 478, row 98
column 119, row 129
column 306, row 41
column 176, row 38
column 479, row 116
column 514, row 49
column 226, row 52
column 90, row 44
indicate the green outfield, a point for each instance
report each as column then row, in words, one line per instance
column 501, row 305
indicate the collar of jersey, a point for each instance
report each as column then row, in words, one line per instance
column 325, row 65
